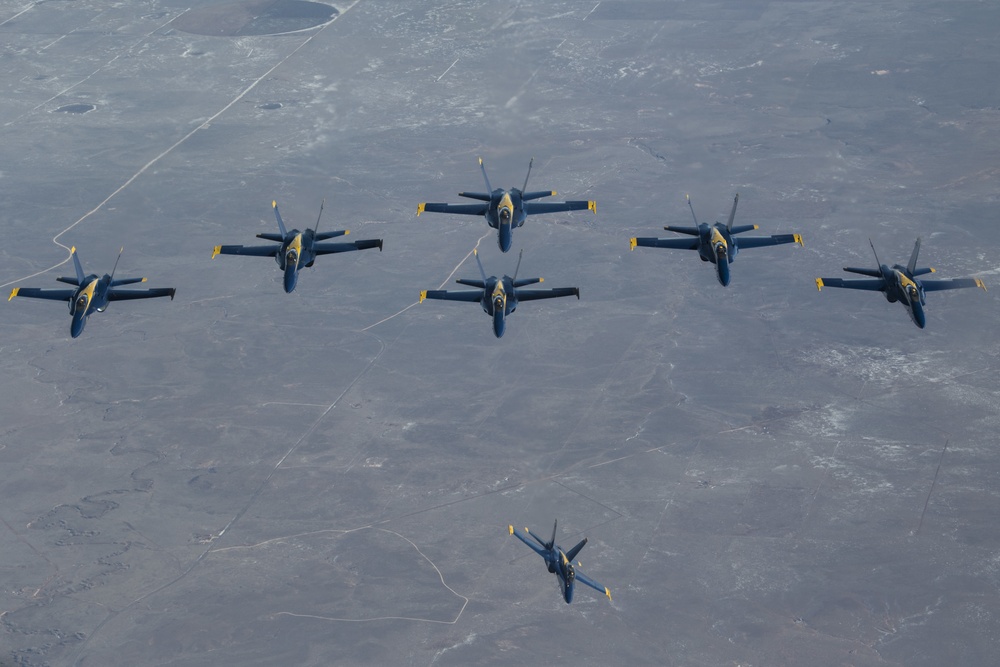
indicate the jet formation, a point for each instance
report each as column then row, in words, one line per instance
column 506, row 209
column 716, row 243
column 560, row 563
column 498, row 296
column 294, row 249
column 92, row 294
column 900, row 283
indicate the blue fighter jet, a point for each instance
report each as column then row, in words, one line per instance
column 506, row 209
column 900, row 283
column 498, row 296
column 92, row 294
column 296, row 249
column 560, row 563
column 716, row 243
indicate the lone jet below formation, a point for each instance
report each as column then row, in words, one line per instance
column 499, row 296
column 900, row 283
column 560, row 563
column 296, row 249
column 716, row 243
column 92, row 294
column 507, row 209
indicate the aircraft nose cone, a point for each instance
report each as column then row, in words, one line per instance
column 499, row 323
column 723, row 266
column 291, row 277
column 504, row 236
column 77, row 327
column 918, row 316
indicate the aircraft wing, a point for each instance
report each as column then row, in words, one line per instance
column 677, row 244
column 534, row 547
column 127, row 295
column 581, row 577
column 462, row 209
column 534, row 294
column 761, row 241
column 955, row 283
column 461, row 295
column 870, row 285
column 331, row 248
column 252, row 250
column 558, row 206
column 36, row 293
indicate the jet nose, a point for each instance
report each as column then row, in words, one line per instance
column 77, row 327
column 918, row 315
column 499, row 323
column 723, row 268
column 504, row 236
column 291, row 277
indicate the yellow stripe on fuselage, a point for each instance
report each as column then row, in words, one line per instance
column 717, row 237
column 903, row 280
column 296, row 245
column 88, row 291
column 505, row 202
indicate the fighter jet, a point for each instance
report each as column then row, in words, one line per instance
column 560, row 563
column 296, row 249
column 507, row 209
column 92, row 294
column 900, row 283
column 499, row 296
column 717, row 243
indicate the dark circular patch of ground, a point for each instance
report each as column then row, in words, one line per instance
column 255, row 17
column 76, row 108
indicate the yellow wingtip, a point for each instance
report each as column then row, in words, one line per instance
column 755, row 226
column 346, row 232
column 980, row 283
column 13, row 293
column 423, row 295
column 510, row 529
column 819, row 284
column 274, row 203
column 798, row 239
column 541, row 280
column 592, row 205
column 480, row 160
column 554, row 193
column 607, row 591
column 72, row 250
column 632, row 243
column 420, row 208
column 475, row 251
column 143, row 280
column 216, row 251
column 933, row 270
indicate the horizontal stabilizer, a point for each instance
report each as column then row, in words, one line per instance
column 471, row 283
column 277, row 238
column 325, row 236
column 524, row 282
column 740, row 229
column 481, row 196
column 538, row 194
column 690, row 231
column 874, row 273
column 69, row 281
column 922, row 272
column 572, row 553
column 127, row 281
